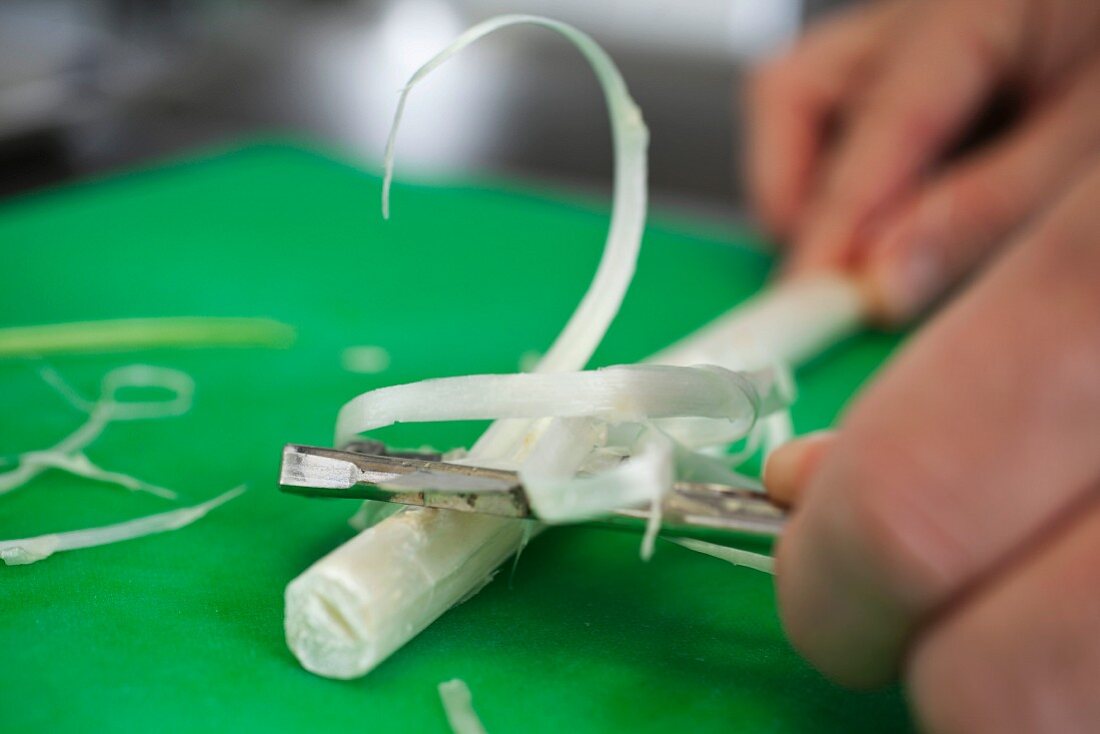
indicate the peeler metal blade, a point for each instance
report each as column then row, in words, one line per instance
column 714, row 512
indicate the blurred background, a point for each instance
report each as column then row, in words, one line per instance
column 89, row 86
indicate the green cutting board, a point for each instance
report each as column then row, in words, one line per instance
column 183, row 631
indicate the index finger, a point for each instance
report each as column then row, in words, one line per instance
column 925, row 94
column 958, row 459
column 792, row 99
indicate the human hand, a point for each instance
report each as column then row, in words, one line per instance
column 949, row 531
column 850, row 134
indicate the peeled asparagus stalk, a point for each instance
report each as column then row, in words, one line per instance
column 792, row 322
column 351, row 609
column 364, row 600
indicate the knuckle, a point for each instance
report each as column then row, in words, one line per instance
column 979, row 672
column 891, row 109
column 1065, row 250
column 983, row 201
column 1067, row 244
column 923, row 127
column 771, row 79
column 911, row 552
column 952, row 686
column 988, row 45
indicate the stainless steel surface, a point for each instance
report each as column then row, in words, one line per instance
column 313, row 466
column 714, row 512
column 715, row 507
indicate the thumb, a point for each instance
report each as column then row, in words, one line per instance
column 789, row 468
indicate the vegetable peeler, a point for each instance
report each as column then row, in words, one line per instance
column 733, row 516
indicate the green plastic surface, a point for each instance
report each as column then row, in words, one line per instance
column 183, row 631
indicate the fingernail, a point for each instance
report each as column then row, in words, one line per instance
column 907, row 268
column 908, row 279
column 810, row 254
column 789, row 467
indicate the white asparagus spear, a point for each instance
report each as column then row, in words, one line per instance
column 792, row 322
column 357, row 605
column 373, row 594
column 354, row 607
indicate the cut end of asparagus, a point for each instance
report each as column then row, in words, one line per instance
column 349, row 611
column 325, row 630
